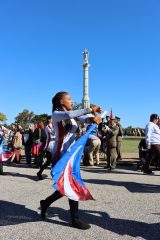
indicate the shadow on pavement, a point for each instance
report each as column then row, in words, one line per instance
column 130, row 186
column 33, row 178
column 119, row 226
column 130, row 170
column 123, row 226
column 11, row 214
column 156, row 213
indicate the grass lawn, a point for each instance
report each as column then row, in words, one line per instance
column 130, row 144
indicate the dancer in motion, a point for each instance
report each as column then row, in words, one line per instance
column 65, row 125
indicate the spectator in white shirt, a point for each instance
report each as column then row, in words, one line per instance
column 152, row 141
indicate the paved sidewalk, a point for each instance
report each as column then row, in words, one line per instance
column 126, row 206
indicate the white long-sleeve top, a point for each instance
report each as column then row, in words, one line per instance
column 65, row 133
column 152, row 134
column 50, row 133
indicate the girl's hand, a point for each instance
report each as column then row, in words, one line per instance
column 97, row 119
column 96, row 109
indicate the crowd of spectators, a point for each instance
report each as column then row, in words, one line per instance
column 36, row 141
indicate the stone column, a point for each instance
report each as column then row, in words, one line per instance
column 85, row 100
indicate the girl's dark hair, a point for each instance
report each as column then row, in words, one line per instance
column 56, row 101
column 56, row 105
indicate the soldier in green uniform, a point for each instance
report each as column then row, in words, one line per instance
column 111, row 142
column 119, row 139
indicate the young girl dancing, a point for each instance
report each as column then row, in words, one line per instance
column 65, row 125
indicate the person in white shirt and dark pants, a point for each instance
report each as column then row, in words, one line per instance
column 152, row 142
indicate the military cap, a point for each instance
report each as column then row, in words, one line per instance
column 113, row 118
column 118, row 118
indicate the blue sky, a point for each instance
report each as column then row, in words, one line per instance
column 41, row 45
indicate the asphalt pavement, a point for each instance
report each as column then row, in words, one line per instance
column 126, row 206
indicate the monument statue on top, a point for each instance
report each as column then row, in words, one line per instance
column 85, row 100
column 86, row 55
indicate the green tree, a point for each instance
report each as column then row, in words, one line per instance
column 3, row 117
column 24, row 118
column 128, row 130
column 77, row 106
column 40, row 118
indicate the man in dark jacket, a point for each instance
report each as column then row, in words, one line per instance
column 27, row 140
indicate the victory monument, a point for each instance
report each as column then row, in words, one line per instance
column 85, row 100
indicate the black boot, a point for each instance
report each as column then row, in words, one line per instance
column 148, row 171
column 43, row 208
column 44, row 166
column 76, row 223
column 48, row 201
column 39, row 175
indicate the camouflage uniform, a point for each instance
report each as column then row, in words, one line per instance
column 119, row 142
column 111, row 142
